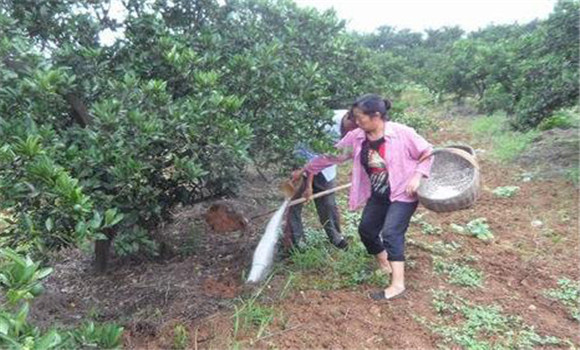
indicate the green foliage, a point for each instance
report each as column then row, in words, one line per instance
column 506, row 145
column 574, row 175
column 106, row 336
column 416, row 120
column 488, row 126
column 506, row 191
column 426, row 227
column 568, row 294
column 472, row 326
column 175, row 112
column 564, row 118
column 480, row 229
column 20, row 276
column 21, row 279
column 529, row 71
column 180, row 337
column 459, row 274
column 510, row 145
column 476, row 227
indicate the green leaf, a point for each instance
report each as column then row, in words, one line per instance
column 43, row 273
column 48, row 341
column 4, row 326
column 112, row 218
column 96, row 221
column 49, row 224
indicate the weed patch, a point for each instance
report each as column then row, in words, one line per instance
column 506, row 145
column 180, row 337
column 250, row 314
column 568, row 294
column 426, row 227
column 471, row 326
column 506, row 191
column 461, row 275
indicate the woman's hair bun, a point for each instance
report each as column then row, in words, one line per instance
column 387, row 104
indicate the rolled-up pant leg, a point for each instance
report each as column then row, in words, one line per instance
column 395, row 226
column 372, row 221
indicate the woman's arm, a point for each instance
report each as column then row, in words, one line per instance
column 419, row 149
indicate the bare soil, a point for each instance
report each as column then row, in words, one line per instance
column 198, row 289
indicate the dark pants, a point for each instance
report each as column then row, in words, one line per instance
column 325, row 207
column 383, row 226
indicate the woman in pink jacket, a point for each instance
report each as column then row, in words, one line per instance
column 385, row 176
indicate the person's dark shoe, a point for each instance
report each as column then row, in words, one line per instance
column 380, row 295
column 343, row 244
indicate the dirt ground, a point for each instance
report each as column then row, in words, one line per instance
column 535, row 244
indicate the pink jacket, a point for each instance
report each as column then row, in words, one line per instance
column 404, row 147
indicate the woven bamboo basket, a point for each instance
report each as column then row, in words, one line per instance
column 465, row 148
column 454, row 182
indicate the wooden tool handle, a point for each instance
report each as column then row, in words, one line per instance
column 319, row 194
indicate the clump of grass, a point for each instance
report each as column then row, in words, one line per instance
column 472, row 326
column 506, row 191
column 249, row 314
column 568, row 294
column 180, row 337
column 461, row 275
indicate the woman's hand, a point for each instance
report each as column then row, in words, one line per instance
column 413, row 185
column 308, row 190
column 296, row 174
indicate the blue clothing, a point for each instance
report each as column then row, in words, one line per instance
column 304, row 153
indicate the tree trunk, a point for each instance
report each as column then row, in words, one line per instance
column 102, row 251
column 79, row 110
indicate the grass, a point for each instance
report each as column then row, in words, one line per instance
column 506, row 191
column 180, row 337
column 510, row 145
column 573, row 175
column 319, row 265
column 489, row 126
column 250, row 314
column 506, row 145
column 470, row 326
